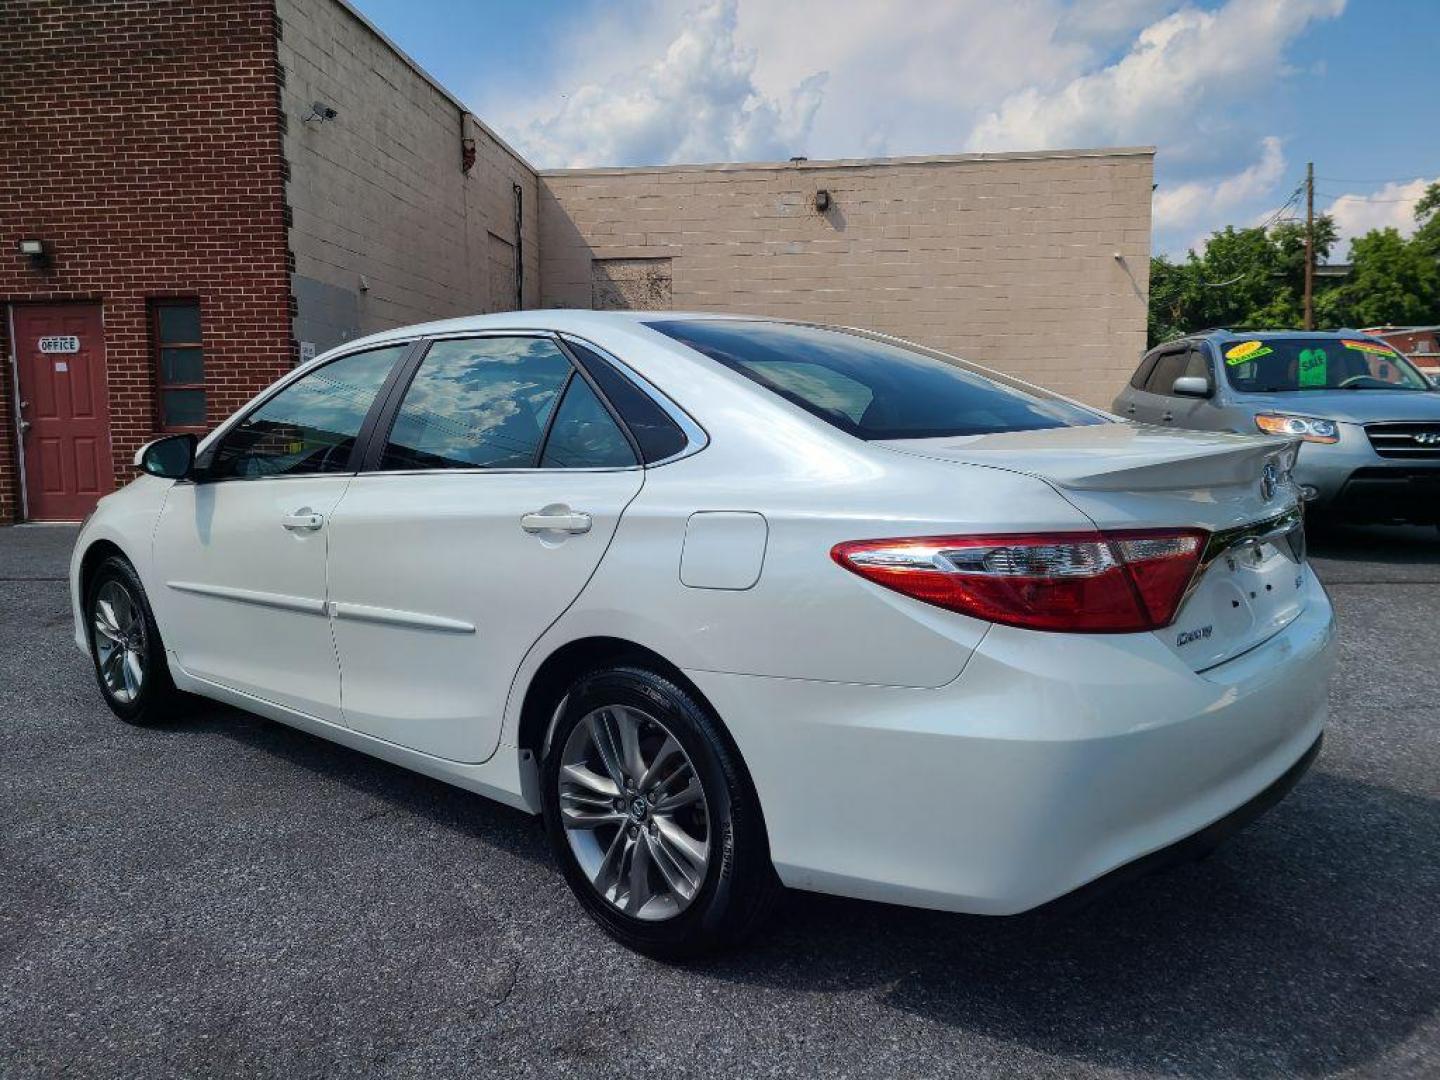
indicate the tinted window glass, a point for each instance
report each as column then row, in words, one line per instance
column 585, row 435
column 478, row 403
column 311, row 425
column 1143, row 371
column 659, row 436
column 871, row 388
column 1272, row 365
column 1168, row 368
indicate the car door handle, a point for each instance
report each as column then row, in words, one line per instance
column 555, row 519
column 1130, row 409
column 1167, row 416
column 303, row 520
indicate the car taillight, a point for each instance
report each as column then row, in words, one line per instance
column 1081, row 582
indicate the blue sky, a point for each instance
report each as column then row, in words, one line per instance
column 1236, row 94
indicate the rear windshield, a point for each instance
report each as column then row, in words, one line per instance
column 871, row 388
column 1273, row 365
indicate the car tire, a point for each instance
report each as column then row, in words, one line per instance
column 126, row 649
column 636, row 868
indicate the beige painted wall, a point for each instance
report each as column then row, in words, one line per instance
column 1005, row 259
column 379, row 192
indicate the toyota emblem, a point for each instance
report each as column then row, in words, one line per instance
column 1269, row 478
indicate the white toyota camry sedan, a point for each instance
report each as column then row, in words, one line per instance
column 735, row 603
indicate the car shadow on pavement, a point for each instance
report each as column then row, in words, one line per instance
column 401, row 790
column 1306, row 945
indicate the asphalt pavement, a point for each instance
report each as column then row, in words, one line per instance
column 231, row 897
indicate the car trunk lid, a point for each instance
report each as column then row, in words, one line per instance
column 1122, row 476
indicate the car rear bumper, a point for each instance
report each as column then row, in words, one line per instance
column 1048, row 764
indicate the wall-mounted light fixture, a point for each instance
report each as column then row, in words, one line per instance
column 823, row 201
column 35, row 251
column 320, row 113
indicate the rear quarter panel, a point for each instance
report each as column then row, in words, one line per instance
column 805, row 617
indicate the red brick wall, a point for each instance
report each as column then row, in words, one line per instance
column 142, row 143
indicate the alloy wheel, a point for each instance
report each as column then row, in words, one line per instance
column 634, row 812
column 119, row 641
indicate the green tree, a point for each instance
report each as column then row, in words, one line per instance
column 1392, row 280
column 1256, row 277
column 1244, row 277
column 1427, row 220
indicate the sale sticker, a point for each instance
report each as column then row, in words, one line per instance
column 1246, row 351
column 1313, row 365
column 1371, row 347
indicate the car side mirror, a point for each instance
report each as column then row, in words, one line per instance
column 1191, row 386
column 170, row 458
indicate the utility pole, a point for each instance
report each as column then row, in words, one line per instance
column 1310, row 246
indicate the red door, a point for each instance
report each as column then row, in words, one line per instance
column 64, row 413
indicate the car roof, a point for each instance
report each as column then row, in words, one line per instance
column 572, row 320
column 1221, row 333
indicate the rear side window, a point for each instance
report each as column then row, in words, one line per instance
column 585, row 435
column 657, row 435
column 478, row 403
column 871, row 388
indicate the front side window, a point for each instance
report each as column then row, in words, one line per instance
column 179, row 364
column 1176, row 365
column 1137, row 381
column 873, row 388
column 311, row 425
column 478, row 403
column 1281, row 365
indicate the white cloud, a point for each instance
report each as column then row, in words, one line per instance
column 1184, row 205
column 816, row 77
column 659, row 81
column 698, row 101
column 1178, row 69
column 1389, row 207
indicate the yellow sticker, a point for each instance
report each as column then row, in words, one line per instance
column 1246, row 351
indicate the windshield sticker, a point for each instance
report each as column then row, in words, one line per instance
column 1246, row 351
column 1369, row 347
column 1312, row 367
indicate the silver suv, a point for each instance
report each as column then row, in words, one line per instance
column 1368, row 420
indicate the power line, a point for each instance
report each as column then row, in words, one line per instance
column 1364, row 198
column 1371, row 180
column 1286, row 205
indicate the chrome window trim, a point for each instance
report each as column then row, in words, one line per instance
column 484, row 472
column 696, row 437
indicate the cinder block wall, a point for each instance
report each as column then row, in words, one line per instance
column 381, row 192
column 141, row 143
column 1006, row 259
